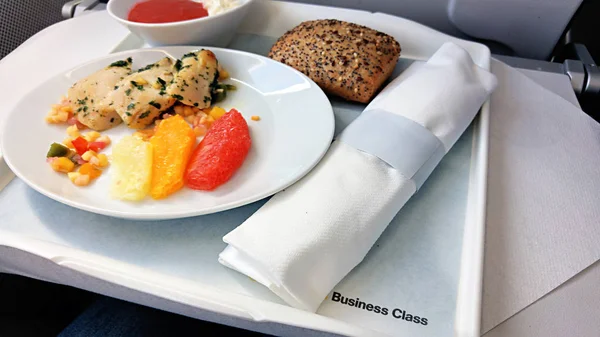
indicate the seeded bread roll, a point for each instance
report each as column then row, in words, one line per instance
column 343, row 58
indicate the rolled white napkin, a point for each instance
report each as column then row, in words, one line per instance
column 304, row 240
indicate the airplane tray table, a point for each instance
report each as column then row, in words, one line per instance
column 427, row 263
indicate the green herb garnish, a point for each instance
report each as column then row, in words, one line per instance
column 121, row 63
column 219, row 95
column 190, row 54
column 138, row 86
column 154, row 104
column 162, row 83
column 150, row 66
column 178, row 65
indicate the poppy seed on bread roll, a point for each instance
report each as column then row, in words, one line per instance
column 343, row 58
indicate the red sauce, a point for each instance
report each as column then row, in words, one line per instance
column 161, row 11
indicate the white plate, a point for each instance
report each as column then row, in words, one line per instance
column 294, row 132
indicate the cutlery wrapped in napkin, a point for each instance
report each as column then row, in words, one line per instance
column 304, row 240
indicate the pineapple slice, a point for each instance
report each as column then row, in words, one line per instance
column 131, row 169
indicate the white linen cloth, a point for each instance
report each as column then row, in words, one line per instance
column 304, row 240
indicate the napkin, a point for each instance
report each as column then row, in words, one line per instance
column 304, row 240
column 542, row 206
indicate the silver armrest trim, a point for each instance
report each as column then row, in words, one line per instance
column 68, row 9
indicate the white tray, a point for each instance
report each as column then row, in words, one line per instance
column 420, row 263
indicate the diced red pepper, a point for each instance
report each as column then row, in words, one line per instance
column 96, row 146
column 80, row 144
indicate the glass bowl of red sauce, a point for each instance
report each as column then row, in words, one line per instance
column 181, row 22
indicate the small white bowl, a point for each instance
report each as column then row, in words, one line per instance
column 217, row 30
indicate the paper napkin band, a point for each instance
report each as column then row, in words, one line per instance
column 402, row 143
